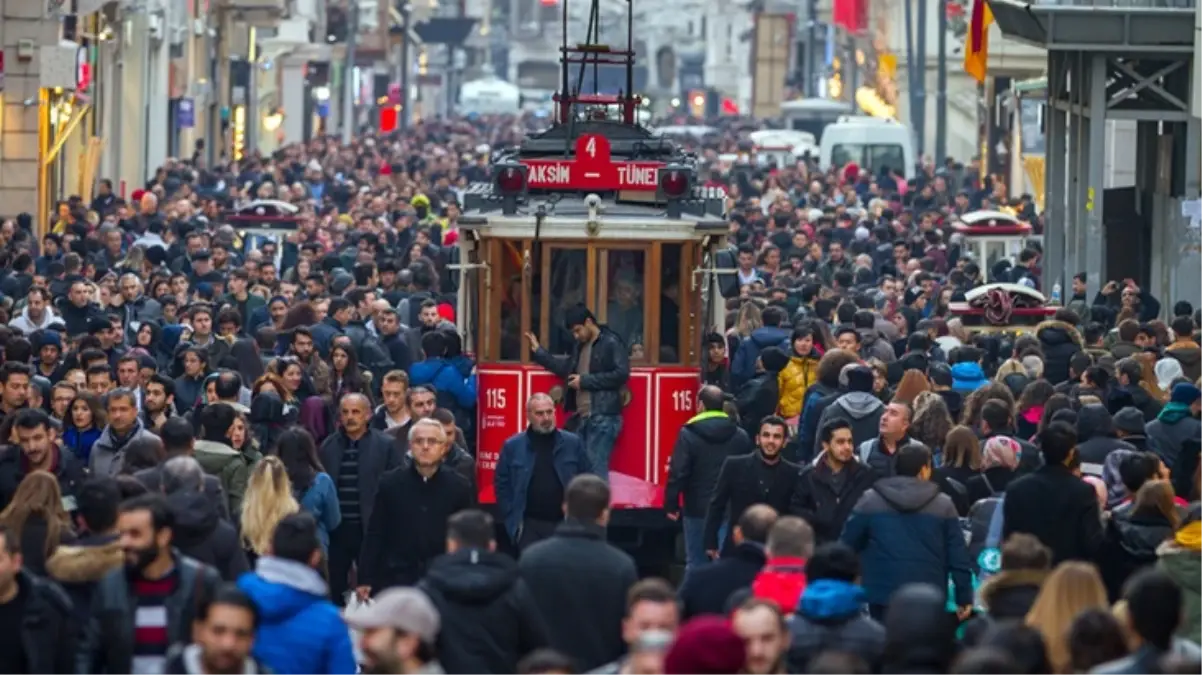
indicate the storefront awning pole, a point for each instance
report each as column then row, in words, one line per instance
column 65, row 133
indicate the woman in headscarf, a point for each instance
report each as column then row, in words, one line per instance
column 1168, row 372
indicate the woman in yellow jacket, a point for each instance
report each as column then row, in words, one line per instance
column 801, row 372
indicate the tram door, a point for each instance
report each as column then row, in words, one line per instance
column 639, row 291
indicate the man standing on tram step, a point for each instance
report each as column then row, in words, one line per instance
column 533, row 471
column 595, row 373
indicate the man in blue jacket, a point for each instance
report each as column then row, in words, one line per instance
column 906, row 531
column 533, row 470
column 772, row 334
column 300, row 630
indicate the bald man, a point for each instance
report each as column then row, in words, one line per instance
column 533, row 470
column 356, row 457
column 708, row 589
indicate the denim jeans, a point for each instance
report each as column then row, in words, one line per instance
column 599, row 432
column 694, row 540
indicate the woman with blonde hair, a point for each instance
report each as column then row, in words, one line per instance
column 36, row 518
column 1070, row 589
column 268, row 500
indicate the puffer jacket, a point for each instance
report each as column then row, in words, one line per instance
column 1168, row 433
column 202, row 535
column 489, row 616
column 1130, row 545
column 861, row 409
column 1060, row 342
column 228, row 465
column 967, row 377
column 1005, row 596
column 1189, row 355
column 608, row 370
column 873, row 346
column 742, row 366
column 108, row 452
column 830, row 616
column 794, row 381
column 300, row 630
column 1184, row 567
column 1096, row 438
column 702, row 446
column 907, row 531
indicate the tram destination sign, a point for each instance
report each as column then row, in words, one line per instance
column 591, row 170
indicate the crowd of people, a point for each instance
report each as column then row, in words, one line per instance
column 228, row 456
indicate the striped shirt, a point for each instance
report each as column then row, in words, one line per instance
column 150, row 622
column 348, row 483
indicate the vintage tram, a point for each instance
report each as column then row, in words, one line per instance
column 992, row 236
column 595, row 210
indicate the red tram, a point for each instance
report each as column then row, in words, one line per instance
column 594, row 210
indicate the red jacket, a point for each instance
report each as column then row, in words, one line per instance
column 782, row 580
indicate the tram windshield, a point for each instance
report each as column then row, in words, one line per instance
column 635, row 290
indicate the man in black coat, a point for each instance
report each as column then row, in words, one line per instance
column 97, row 552
column 1075, row 533
column 356, row 457
column 584, row 620
column 35, row 617
column 828, row 489
column 594, row 384
column 707, row 589
column 36, row 451
column 762, row 477
column 408, row 526
column 489, row 617
column 704, row 443
column 178, row 437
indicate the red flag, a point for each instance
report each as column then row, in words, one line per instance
column 851, row 15
column 976, row 43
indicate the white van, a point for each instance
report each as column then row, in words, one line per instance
column 871, row 142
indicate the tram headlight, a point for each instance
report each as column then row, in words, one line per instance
column 510, row 180
column 675, row 181
column 509, row 183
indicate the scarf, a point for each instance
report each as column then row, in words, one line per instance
column 1190, row 536
column 1173, row 412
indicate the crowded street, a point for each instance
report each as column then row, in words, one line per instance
column 594, row 383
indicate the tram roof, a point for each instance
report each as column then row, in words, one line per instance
column 568, row 217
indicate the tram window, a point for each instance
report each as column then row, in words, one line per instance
column 670, row 308
column 622, row 304
column 568, row 269
column 994, row 251
column 511, row 317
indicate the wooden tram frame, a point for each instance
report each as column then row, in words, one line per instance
column 488, row 347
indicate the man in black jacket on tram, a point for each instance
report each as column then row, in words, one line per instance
column 595, row 374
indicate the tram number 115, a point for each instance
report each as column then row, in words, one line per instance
column 495, row 398
column 682, row 401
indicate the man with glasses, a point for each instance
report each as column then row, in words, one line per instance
column 423, row 494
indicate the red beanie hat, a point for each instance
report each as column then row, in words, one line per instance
column 706, row 645
column 385, row 169
column 447, row 312
column 137, row 195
